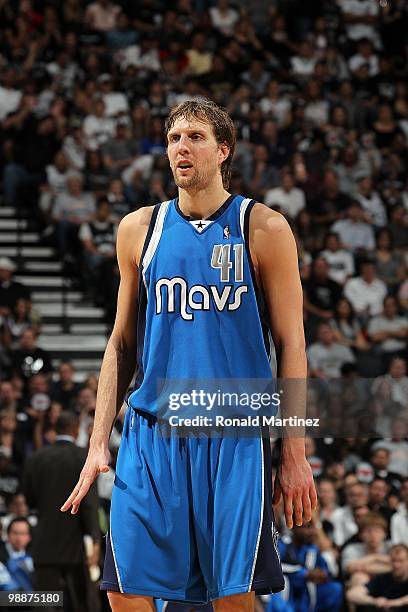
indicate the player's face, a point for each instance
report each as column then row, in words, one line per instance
column 195, row 156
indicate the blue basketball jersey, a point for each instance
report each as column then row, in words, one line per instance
column 201, row 314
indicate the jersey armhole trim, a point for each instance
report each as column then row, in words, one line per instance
column 245, row 214
column 153, row 234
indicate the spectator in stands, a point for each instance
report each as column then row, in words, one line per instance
column 311, row 584
column 371, row 202
column 17, row 508
column 321, row 292
column 363, row 560
column 199, row 56
column 49, row 474
column 101, row 15
column 388, row 262
column 385, row 128
column 72, row 208
column 389, row 331
column 97, row 177
column 397, row 381
column 340, row 261
column 398, row 226
column 9, row 479
column 380, row 459
column 378, row 498
column 290, row 199
column 97, row 126
column 399, row 520
column 29, row 359
column 120, row 151
column 98, row 238
column 327, row 499
column 346, row 328
column 65, row 389
column 304, row 63
column 398, row 447
column 116, row 102
column 10, row 291
column 364, row 57
column 354, row 232
column 326, row 356
column 20, row 319
column 386, row 590
column 16, row 563
column 8, row 397
column 36, row 140
column 223, row 17
column 118, row 202
column 343, row 519
column 45, row 428
column 366, row 292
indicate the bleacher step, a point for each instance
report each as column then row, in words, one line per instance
column 54, row 297
column 13, row 224
column 75, row 328
column 28, row 252
column 25, row 238
column 72, row 311
column 41, row 282
column 43, row 266
column 67, row 342
column 8, row 211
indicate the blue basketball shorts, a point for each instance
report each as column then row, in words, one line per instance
column 191, row 518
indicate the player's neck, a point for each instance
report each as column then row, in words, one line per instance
column 202, row 203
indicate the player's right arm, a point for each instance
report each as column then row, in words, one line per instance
column 119, row 362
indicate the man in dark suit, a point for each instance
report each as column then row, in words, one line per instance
column 58, row 547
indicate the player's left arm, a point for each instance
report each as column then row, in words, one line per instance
column 274, row 255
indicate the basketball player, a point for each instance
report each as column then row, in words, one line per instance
column 191, row 518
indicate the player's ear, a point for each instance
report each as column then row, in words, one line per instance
column 223, row 152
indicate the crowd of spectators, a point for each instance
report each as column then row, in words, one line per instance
column 319, row 97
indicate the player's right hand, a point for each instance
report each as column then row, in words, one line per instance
column 97, row 462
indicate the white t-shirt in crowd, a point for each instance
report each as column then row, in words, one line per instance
column 374, row 207
column 364, row 295
column 291, row 202
column 9, row 101
column 358, row 60
column 341, row 264
column 399, row 526
column 224, row 22
column 357, row 31
column 115, row 103
column 329, row 359
column 385, row 324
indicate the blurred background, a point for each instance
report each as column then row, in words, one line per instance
column 318, row 93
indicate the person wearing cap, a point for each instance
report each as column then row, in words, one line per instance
column 10, row 290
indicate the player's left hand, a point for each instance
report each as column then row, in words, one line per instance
column 294, row 482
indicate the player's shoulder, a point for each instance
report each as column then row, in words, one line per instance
column 267, row 220
column 137, row 219
column 132, row 232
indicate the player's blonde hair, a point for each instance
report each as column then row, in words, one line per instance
column 209, row 112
